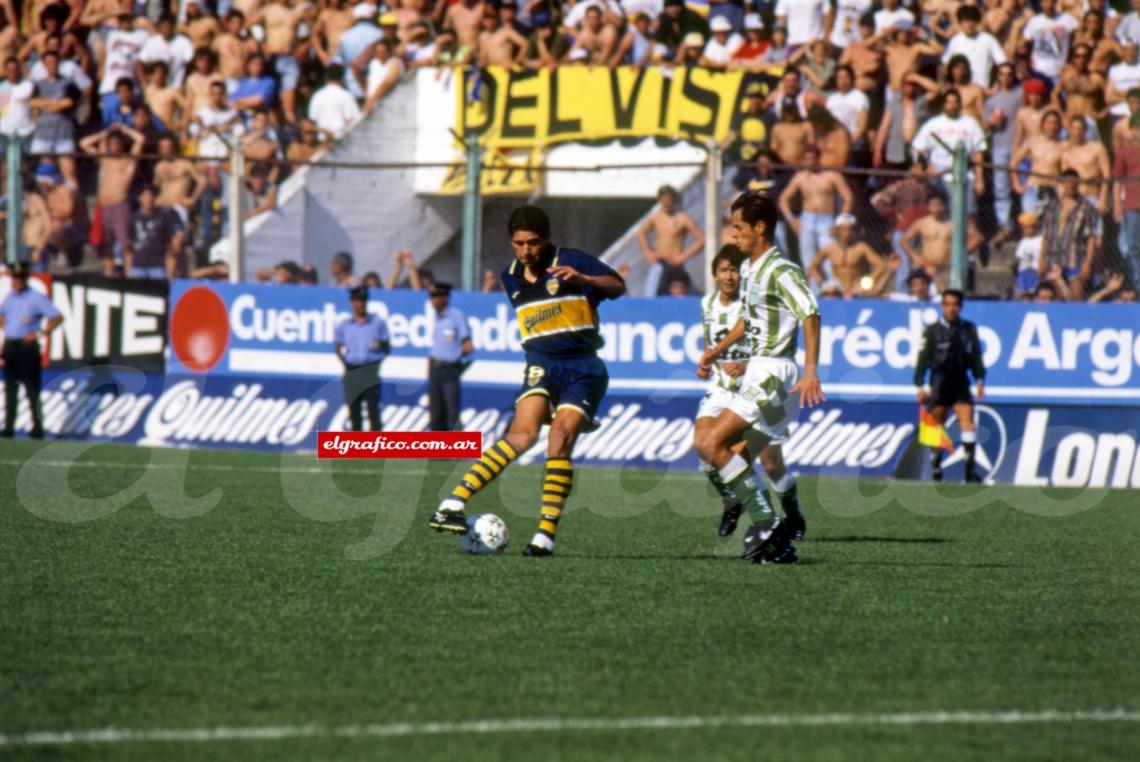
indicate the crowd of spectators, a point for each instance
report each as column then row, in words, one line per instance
column 138, row 103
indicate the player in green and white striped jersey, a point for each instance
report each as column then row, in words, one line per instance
column 776, row 302
column 720, row 312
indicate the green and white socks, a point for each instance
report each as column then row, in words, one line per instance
column 740, row 482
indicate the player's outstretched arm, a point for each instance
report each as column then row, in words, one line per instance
column 610, row 286
column 811, row 392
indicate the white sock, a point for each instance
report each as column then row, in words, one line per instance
column 542, row 541
column 734, row 468
column 969, row 437
column 784, row 483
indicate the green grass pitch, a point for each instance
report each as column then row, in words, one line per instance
column 159, row 589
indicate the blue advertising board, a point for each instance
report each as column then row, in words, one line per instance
column 1038, row 445
column 1064, row 354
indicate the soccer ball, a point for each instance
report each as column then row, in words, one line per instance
column 486, row 535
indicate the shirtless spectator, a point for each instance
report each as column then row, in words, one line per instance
column 179, row 180
column 670, row 227
column 1044, row 152
column 791, row 90
column 790, row 136
column 1029, row 116
column 822, row 192
column 116, row 150
column 904, row 50
column 166, row 101
column 1083, row 89
column 596, row 40
column 865, row 57
column 900, row 204
column 9, row 37
column 464, row 19
column 36, row 229
column 936, row 234
column 310, row 141
column 280, row 37
column 333, row 21
column 847, row 259
column 67, row 211
column 1089, row 159
column 233, row 47
column 830, row 137
column 200, row 27
column 51, row 26
column 498, row 45
column 203, row 74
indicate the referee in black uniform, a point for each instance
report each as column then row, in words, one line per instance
column 950, row 351
column 25, row 317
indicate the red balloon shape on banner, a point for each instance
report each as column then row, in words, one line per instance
column 199, row 329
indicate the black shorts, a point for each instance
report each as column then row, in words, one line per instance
column 949, row 391
column 578, row 383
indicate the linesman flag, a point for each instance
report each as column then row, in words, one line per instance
column 931, row 433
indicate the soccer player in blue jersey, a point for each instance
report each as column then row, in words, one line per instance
column 555, row 293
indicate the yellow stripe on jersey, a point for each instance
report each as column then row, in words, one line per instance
column 568, row 313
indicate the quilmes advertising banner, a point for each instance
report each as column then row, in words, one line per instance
column 1033, row 445
column 1062, row 354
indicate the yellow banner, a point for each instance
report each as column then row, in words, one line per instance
column 520, row 108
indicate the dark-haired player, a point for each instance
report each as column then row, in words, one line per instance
column 555, row 293
column 720, row 312
column 950, row 350
column 776, row 302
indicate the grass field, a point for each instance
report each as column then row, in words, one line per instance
column 310, row 614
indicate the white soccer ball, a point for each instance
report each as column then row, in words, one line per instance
column 486, row 535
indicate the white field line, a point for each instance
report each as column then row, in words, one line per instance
column 555, row 725
column 317, row 469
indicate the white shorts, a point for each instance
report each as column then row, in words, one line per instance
column 716, row 399
column 764, row 399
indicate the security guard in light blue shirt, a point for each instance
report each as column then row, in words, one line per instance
column 25, row 316
column 362, row 344
column 449, row 356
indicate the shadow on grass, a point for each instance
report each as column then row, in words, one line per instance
column 873, row 538
column 932, row 564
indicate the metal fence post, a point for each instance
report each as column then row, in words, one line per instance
column 712, row 207
column 959, row 206
column 15, row 198
column 472, row 235
column 236, row 212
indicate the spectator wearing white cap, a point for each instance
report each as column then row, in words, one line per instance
column 731, row 11
column 754, row 45
column 692, row 46
column 363, row 33
column 722, row 45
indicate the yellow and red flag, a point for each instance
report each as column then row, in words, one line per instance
column 931, row 433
